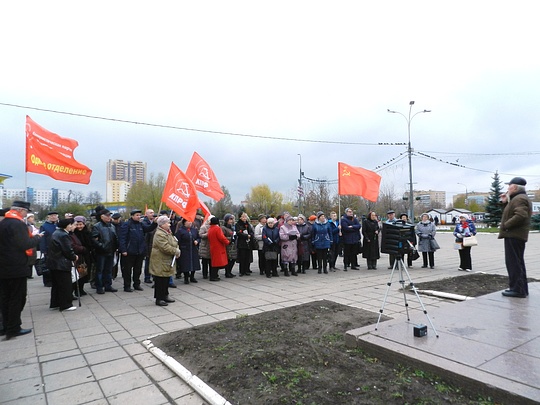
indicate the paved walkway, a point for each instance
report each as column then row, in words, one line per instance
column 95, row 355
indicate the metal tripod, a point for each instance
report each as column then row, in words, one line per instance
column 400, row 265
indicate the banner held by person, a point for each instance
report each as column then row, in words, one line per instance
column 180, row 194
column 358, row 181
column 203, row 177
column 49, row 154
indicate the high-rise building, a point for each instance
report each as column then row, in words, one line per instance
column 132, row 172
column 121, row 176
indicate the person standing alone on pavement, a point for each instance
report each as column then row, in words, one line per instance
column 514, row 229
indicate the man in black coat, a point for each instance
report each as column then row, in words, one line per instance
column 16, row 246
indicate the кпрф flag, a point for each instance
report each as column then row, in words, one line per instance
column 49, row 154
column 180, row 194
column 358, row 181
column 203, row 177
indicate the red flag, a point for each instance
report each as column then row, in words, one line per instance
column 49, row 154
column 203, row 177
column 206, row 211
column 180, row 194
column 358, row 181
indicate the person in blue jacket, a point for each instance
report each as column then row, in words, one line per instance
column 133, row 249
column 464, row 228
column 321, row 238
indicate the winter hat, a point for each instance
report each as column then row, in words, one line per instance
column 163, row 219
column 312, row 217
column 63, row 223
column 80, row 218
column 214, row 221
column 319, row 214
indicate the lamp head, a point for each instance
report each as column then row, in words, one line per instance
column 411, row 102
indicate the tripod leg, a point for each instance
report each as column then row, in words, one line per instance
column 402, row 282
column 421, row 303
column 389, row 284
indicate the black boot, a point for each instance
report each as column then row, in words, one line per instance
column 186, row 278
column 286, row 270
column 325, row 270
column 293, row 269
column 275, row 273
column 214, row 276
column 192, row 277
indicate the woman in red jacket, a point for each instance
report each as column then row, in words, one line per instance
column 218, row 251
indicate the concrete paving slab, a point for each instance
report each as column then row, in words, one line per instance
column 495, row 332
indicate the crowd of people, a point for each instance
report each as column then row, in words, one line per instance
column 160, row 248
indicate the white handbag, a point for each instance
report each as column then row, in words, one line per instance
column 470, row 241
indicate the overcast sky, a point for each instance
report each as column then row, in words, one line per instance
column 318, row 77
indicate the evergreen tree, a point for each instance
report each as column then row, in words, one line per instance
column 493, row 206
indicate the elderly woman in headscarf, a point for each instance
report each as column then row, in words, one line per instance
column 204, row 247
column 270, row 237
column 288, row 234
column 165, row 251
column 230, row 234
column 188, row 240
column 426, row 231
column 464, row 228
column 304, row 243
column 244, row 233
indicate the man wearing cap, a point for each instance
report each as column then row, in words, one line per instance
column 133, row 249
column 47, row 229
column 16, row 245
column 514, row 229
column 106, row 243
column 116, row 221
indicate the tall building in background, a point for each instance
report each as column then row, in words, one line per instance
column 121, row 176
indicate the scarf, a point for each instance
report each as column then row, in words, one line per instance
column 14, row 214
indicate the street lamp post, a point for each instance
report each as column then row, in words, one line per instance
column 466, row 195
column 409, row 152
column 300, row 189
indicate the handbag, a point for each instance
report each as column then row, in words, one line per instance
column 74, row 274
column 434, row 244
column 82, row 269
column 41, row 266
column 415, row 254
column 270, row 255
column 470, row 241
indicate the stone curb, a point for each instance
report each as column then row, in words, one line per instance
column 199, row 386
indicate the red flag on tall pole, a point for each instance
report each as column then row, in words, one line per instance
column 49, row 154
column 203, row 177
column 180, row 194
column 358, row 181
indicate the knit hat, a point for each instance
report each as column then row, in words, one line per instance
column 163, row 219
column 312, row 217
column 80, row 218
column 319, row 214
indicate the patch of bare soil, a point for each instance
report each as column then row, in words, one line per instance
column 469, row 284
column 298, row 356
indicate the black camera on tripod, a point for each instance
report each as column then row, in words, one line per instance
column 396, row 237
